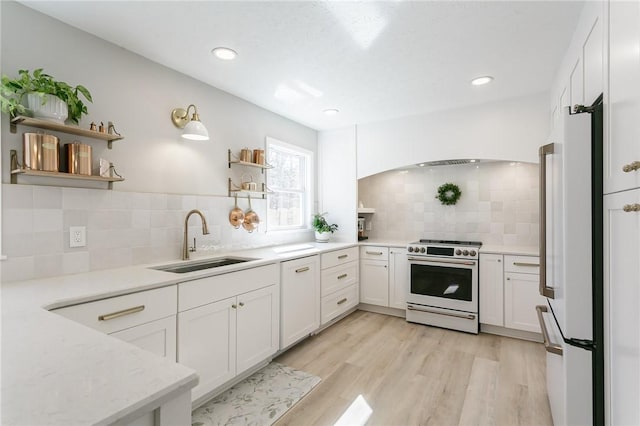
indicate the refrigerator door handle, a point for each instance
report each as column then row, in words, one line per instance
column 543, row 152
column 551, row 348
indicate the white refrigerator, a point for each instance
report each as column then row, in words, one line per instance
column 571, row 267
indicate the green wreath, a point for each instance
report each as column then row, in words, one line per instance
column 449, row 194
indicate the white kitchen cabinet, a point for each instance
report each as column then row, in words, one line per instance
column 158, row 337
column 374, row 282
column 339, row 287
column 257, row 324
column 146, row 319
column 227, row 324
column 593, row 60
column 300, row 299
column 622, row 316
column 521, row 296
column 207, row 343
column 398, row 278
column 374, row 275
column 622, row 140
column 491, row 284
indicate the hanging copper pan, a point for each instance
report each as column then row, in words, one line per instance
column 251, row 219
column 236, row 215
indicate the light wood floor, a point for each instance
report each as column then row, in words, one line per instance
column 413, row 374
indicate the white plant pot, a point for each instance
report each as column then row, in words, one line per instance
column 53, row 108
column 322, row 237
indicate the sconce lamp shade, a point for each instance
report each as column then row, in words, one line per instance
column 193, row 129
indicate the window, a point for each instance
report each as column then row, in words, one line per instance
column 289, row 205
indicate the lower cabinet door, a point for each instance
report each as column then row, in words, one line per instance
column 520, row 299
column 300, row 302
column 374, row 282
column 258, row 328
column 207, row 343
column 398, row 278
column 157, row 336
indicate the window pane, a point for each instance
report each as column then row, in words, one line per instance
column 285, row 209
column 288, row 170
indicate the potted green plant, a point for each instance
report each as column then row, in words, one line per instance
column 322, row 227
column 45, row 97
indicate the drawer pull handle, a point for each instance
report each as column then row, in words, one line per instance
column 343, row 256
column 342, row 276
column 305, row 269
column 377, row 253
column 241, row 304
column 631, row 208
column 632, row 167
column 536, row 265
column 113, row 315
column 234, row 306
column 340, row 302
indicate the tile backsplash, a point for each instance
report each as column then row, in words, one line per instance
column 122, row 229
column 498, row 206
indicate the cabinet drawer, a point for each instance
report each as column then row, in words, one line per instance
column 338, row 303
column 338, row 257
column 374, row 252
column 199, row 292
column 522, row 264
column 339, row 277
column 117, row 313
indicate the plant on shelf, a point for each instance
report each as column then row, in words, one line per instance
column 13, row 90
column 322, row 227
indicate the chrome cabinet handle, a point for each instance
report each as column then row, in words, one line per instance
column 554, row 349
column 526, row 264
column 543, row 288
column 305, row 269
column 340, row 302
column 342, row 276
column 377, row 253
column 631, row 167
column 631, row 208
column 113, row 315
column 343, row 256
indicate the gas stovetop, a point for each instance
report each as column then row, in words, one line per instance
column 445, row 248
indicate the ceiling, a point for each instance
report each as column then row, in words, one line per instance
column 371, row 60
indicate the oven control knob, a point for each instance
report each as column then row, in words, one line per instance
column 410, row 249
column 422, row 250
column 458, row 252
column 473, row 253
column 465, row 252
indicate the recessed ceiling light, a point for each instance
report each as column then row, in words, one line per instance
column 479, row 81
column 421, row 165
column 331, row 111
column 224, row 53
column 472, row 161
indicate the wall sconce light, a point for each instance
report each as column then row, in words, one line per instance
column 193, row 128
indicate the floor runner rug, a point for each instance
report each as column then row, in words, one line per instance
column 260, row 399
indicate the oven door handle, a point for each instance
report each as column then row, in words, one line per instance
column 450, row 314
column 455, row 262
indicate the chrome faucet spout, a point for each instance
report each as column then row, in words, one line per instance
column 185, row 243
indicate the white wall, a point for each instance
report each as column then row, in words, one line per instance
column 509, row 130
column 499, row 204
column 138, row 96
column 337, row 181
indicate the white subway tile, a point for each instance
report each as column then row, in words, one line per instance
column 76, row 262
column 75, row 199
column 47, row 197
column 17, row 269
column 17, row 221
column 17, row 197
column 48, row 265
column 45, row 243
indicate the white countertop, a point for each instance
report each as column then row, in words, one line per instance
column 514, row 250
column 58, row 372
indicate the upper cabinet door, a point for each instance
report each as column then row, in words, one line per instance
column 593, row 60
column 622, row 146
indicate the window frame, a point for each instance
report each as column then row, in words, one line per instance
column 307, row 191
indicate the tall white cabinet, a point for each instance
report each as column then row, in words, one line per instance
column 622, row 216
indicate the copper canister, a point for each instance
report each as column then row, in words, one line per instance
column 79, row 158
column 41, row 152
column 258, row 156
column 245, row 155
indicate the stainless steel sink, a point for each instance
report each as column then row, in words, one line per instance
column 181, row 268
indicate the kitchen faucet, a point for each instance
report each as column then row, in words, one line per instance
column 205, row 231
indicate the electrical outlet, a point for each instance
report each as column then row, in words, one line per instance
column 77, row 236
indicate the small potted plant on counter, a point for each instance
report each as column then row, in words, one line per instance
column 46, row 97
column 322, row 227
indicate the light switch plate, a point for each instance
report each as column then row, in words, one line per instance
column 77, row 236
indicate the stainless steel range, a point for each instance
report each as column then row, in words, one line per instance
column 444, row 284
